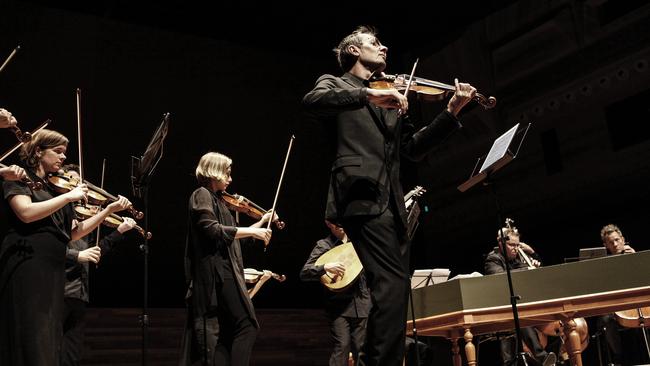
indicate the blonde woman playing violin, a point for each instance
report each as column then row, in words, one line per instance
column 221, row 326
column 33, row 255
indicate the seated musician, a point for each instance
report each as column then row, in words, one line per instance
column 495, row 263
column 348, row 310
column 613, row 240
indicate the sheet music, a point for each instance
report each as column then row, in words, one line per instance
column 499, row 148
column 432, row 276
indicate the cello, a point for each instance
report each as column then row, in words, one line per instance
column 634, row 318
column 555, row 328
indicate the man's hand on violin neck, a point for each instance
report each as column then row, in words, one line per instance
column 387, row 98
column 464, row 94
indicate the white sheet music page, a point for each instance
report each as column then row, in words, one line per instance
column 499, row 148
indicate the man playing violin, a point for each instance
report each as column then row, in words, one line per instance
column 365, row 195
column 614, row 241
column 496, row 263
column 76, row 295
column 221, row 326
column 347, row 310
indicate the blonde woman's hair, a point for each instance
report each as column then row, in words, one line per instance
column 213, row 165
column 43, row 139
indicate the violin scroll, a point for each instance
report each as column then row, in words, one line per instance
column 20, row 135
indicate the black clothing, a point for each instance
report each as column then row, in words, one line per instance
column 74, row 324
column 495, row 263
column 76, row 297
column 609, row 325
column 346, row 310
column 221, row 319
column 32, row 259
column 76, row 274
column 366, row 197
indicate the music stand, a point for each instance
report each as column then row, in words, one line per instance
column 500, row 155
column 142, row 169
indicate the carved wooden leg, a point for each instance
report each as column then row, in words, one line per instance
column 470, row 350
column 573, row 342
column 455, row 352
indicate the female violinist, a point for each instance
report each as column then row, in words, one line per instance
column 221, row 319
column 33, row 255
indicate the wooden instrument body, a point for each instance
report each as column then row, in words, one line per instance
column 634, row 318
column 345, row 254
column 556, row 328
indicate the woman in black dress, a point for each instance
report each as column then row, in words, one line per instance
column 32, row 255
column 221, row 327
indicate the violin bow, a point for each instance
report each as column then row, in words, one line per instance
column 18, row 145
column 11, row 55
column 101, row 185
column 81, row 168
column 277, row 192
column 408, row 84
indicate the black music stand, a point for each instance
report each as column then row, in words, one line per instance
column 499, row 155
column 141, row 172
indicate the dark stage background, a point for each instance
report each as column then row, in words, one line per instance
column 232, row 78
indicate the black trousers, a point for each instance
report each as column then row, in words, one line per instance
column 348, row 335
column 530, row 338
column 609, row 325
column 384, row 256
column 226, row 335
column 74, row 323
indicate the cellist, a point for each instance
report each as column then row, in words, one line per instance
column 495, row 263
column 614, row 241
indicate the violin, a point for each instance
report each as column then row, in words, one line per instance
column 34, row 186
column 65, row 182
column 112, row 220
column 433, row 89
column 253, row 275
column 242, row 204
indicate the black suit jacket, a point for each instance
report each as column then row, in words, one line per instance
column 369, row 143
